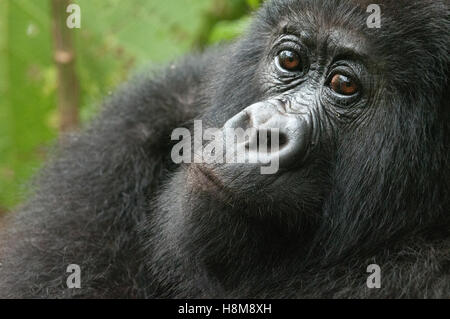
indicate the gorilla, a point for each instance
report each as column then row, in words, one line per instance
column 364, row 170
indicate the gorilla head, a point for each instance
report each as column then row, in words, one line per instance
column 363, row 123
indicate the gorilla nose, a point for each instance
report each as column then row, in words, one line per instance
column 274, row 132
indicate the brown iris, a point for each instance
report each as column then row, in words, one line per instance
column 344, row 85
column 289, row 60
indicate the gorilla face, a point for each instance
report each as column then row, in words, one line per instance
column 350, row 126
column 361, row 133
column 313, row 88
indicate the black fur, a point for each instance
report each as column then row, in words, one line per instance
column 112, row 202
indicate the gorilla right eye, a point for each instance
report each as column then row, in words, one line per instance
column 344, row 85
column 289, row 61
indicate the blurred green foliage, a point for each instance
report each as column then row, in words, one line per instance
column 116, row 38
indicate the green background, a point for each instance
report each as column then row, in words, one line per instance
column 116, row 39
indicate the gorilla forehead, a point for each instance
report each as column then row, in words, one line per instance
column 401, row 19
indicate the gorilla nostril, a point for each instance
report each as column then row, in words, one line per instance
column 283, row 140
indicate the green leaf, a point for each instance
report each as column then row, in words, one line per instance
column 254, row 4
column 228, row 30
column 116, row 38
column 25, row 53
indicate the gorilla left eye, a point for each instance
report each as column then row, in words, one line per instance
column 344, row 85
column 289, row 61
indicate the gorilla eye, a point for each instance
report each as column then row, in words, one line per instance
column 289, row 61
column 343, row 85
